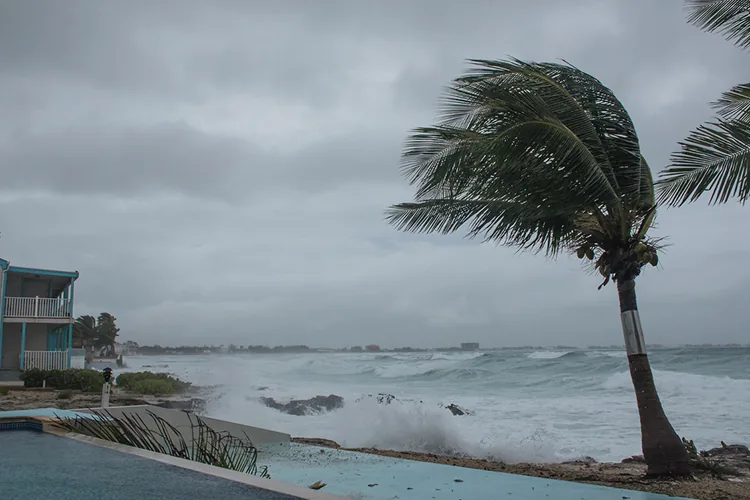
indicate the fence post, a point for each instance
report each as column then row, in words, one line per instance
column 36, row 306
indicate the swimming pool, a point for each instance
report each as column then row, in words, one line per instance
column 99, row 468
column 377, row 477
column 41, row 466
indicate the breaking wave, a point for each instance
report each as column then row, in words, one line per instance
column 526, row 405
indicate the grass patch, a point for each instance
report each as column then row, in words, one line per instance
column 153, row 387
column 4, row 391
column 73, row 379
column 157, row 384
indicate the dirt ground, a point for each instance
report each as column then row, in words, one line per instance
column 26, row 399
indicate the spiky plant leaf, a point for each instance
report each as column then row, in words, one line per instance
column 734, row 104
column 715, row 158
column 731, row 18
column 207, row 446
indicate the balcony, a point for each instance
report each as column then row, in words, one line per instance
column 37, row 309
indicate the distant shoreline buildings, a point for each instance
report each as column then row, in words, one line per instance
column 133, row 349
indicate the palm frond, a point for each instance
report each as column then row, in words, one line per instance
column 207, row 446
column 715, row 158
column 731, row 18
column 523, row 153
column 504, row 222
column 734, row 104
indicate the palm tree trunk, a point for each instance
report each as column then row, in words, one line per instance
column 663, row 449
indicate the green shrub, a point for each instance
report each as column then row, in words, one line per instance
column 74, row 379
column 66, row 394
column 4, row 391
column 143, row 382
column 154, row 387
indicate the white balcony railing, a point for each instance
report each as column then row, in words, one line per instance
column 37, row 307
column 45, row 360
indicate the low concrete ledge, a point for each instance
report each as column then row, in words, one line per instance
column 180, row 420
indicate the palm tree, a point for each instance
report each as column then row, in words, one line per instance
column 85, row 331
column 544, row 157
column 716, row 156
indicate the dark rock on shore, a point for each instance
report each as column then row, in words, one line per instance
column 301, row 407
column 326, row 443
column 456, row 410
column 381, row 398
column 386, row 399
column 728, row 459
column 737, row 450
column 193, row 405
column 581, row 461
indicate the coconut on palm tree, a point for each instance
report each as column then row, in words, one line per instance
column 544, row 157
column 715, row 157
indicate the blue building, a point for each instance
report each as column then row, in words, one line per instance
column 36, row 317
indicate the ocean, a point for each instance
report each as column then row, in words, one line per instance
column 527, row 405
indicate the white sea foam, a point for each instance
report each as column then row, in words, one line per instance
column 522, row 409
column 547, row 354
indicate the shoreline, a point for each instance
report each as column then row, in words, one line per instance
column 628, row 474
column 708, row 483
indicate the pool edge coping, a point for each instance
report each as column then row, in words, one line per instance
column 238, row 477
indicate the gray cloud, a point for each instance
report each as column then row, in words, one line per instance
column 218, row 171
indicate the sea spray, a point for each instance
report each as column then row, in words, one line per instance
column 536, row 405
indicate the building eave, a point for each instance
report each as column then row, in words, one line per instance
column 43, row 272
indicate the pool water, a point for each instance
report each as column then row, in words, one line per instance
column 39, row 466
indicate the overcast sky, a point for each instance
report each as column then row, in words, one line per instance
column 218, row 170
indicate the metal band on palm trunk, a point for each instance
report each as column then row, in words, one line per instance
column 633, row 332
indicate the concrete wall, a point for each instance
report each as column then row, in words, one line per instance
column 78, row 361
column 11, row 346
column 31, row 287
column 36, row 337
column 180, row 420
column 36, row 340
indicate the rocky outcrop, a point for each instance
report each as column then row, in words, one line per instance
column 731, row 459
column 302, row 407
column 381, row 398
column 193, row 405
column 326, row 443
column 727, row 460
column 386, row 399
column 456, row 410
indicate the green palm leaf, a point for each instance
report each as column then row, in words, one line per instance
column 735, row 103
column 731, row 18
column 716, row 158
column 537, row 155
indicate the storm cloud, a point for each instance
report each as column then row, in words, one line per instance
column 217, row 171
